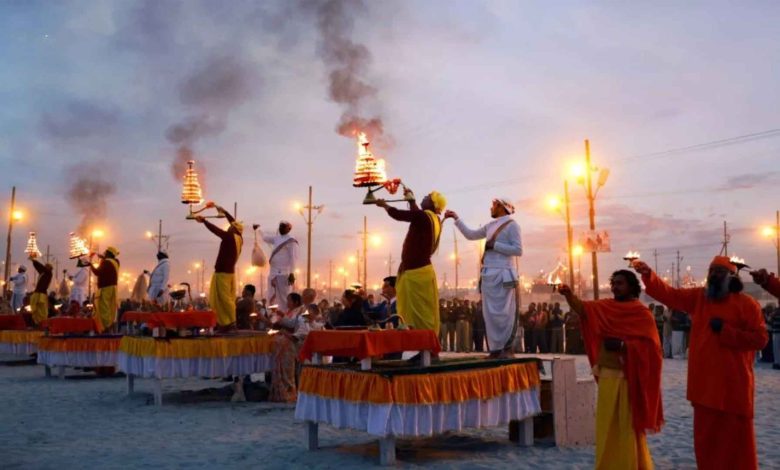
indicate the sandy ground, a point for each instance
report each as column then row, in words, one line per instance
column 91, row 423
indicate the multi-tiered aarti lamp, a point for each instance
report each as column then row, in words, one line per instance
column 370, row 173
column 31, row 249
column 77, row 246
column 192, row 194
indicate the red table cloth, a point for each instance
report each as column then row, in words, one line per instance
column 173, row 320
column 365, row 343
column 12, row 322
column 65, row 325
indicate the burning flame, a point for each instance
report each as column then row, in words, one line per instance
column 369, row 171
column 191, row 192
column 554, row 282
column 631, row 256
column 737, row 260
column 78, row 246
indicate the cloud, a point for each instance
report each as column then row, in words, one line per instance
column 751, row 180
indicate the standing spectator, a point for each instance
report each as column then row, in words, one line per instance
column 678, row 321
column 666, row 315
column 443, row 324
column 528, row 327
column 556, row 329
column 478, row 326
column 540, row 331
column 451, row 326
column 245, row 307
column 462, row 326
column 574, row 341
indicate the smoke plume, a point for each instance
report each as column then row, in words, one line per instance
column 211, row 92
column 88, row 195
column 348, row 63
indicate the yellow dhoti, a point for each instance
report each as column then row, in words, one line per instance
column 222, row 297
column 618, row 446
column 106, row 305
column 39, row 306
column 418, row 298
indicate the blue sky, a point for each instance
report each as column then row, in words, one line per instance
column 480, row 99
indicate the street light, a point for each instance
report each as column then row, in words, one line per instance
column 773, row 233
column 577, row 251
column 13, row 216
column 586, row 180
column 555, row 204
column 306, row 213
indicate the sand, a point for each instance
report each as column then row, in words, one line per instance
column 92, row 423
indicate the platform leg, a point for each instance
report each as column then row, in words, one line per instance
column 312, row 435
column 47, row 371
column 61, row 372
column 157, row 387
column 387, row 450
column 522, row 432
column 426, row 358
column 130, row 383
column 365, row 364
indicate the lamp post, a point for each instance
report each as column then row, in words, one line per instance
column 159, row 237
column 307, row 217
column 376, row 240
column 577, row 251
column 13, row 215
column 555, row 204
column 770, row 232
column 585, row 176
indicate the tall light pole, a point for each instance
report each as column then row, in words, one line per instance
column 309, row 223
column 585, row 176
column 555, row 204
column 159, row 237
column 13, row 215
column 770, row 232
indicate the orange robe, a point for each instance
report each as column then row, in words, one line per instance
column 632, row 322
column 773, row 286
column 720, row 372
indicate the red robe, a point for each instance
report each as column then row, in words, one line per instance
column 773, row 286
column 632, row 322
column 720, row 371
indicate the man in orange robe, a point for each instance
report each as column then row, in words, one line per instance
column 727, row 328
column 623, row 348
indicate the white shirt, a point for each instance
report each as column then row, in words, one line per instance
column 20, row 283
column 283, row 263
column 158, row 280
column 296, row 319
column 508, row 244
column 80, row 280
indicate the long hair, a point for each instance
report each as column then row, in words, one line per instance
column 735, row 284
column 633, row 281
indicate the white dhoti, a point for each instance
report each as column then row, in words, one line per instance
column 278, row 289
column 498, row 306
column 678, row 344
column 17, row 300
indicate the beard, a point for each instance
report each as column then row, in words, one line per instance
column 718, row 289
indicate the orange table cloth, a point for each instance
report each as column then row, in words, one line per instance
column 12, row 322
column 173, row 320
column 69, row 325
column 365, row 343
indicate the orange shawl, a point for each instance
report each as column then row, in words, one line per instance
column 634, row 324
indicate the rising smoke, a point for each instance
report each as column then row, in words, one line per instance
column 88, row 195
column 348, row 63
column 211, row 92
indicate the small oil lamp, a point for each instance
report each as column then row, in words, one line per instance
column 554, row 283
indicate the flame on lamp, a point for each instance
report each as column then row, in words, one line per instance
column 77, row 246
column 191, row 192
column 369, row 171
column 31, row 249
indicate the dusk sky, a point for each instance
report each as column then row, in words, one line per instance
column 478, row 99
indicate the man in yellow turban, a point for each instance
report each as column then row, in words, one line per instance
column 222, row 292
column 39, row 302
column 106, row 300
column 417, row 289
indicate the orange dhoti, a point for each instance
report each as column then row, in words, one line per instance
column 723, row 440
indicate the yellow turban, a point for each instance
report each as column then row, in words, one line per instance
column 113, row 250
column 238, row 226
column 439, row 201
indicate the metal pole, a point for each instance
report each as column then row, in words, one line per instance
column 365, row 252
column 655, row 257
column 308, row 244
column 389, row 265
column 159, row 236
column 8, row 241
column 569, row 232
column 330, row 278
column 592, row 217
column 777, row 239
